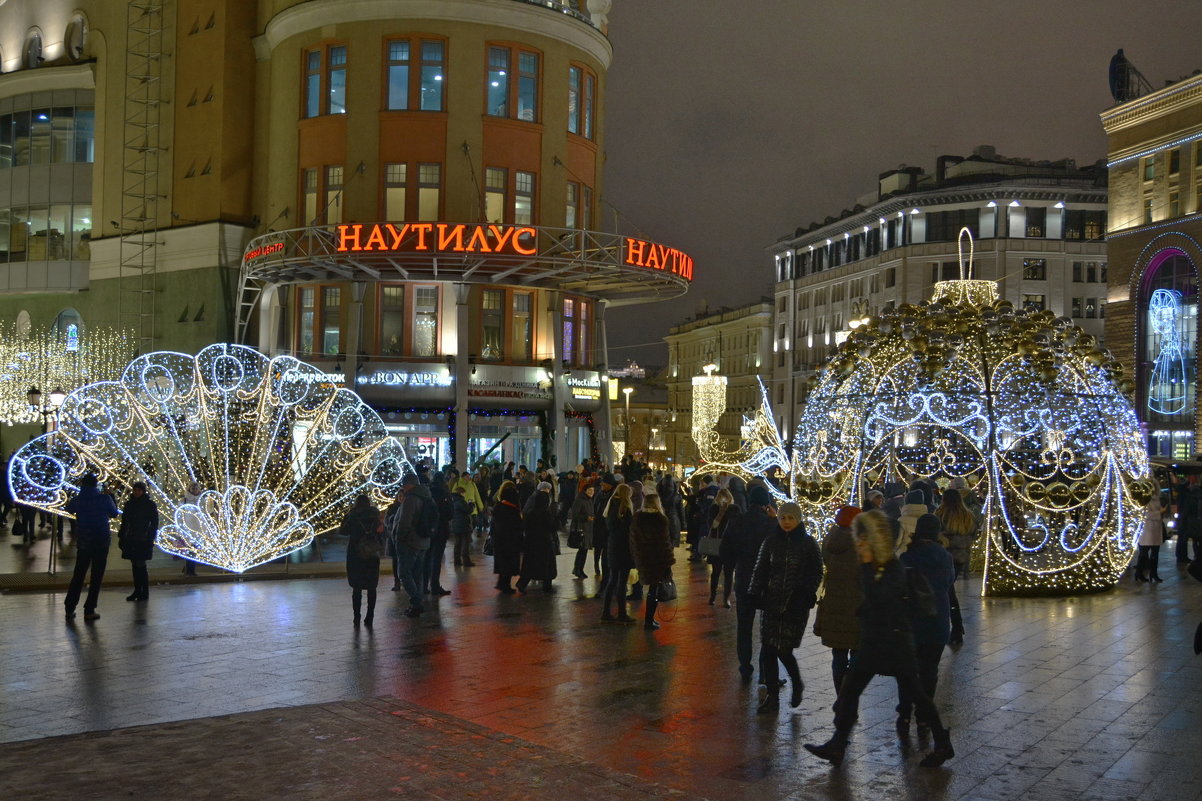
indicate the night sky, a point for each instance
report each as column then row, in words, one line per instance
column 730, row 124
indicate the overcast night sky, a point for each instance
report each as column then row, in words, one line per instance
column 729, row 124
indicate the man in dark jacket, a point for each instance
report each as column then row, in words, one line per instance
column 600, row 531
column 93, row 510
column 409, row 541
column 741, row 546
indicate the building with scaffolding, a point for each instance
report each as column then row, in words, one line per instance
column 402, row 193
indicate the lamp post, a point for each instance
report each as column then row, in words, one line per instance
column 49, row 413
column 627, row 391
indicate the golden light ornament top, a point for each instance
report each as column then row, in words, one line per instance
column 277, row 452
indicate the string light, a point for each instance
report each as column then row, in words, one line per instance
column 278, row 451
column 1022, row 404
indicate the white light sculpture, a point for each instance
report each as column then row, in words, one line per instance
column 279, row 452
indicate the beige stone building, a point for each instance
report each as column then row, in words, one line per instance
column 1155, row 161
column 737, row 342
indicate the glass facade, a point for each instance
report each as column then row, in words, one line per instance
column 1168, row 366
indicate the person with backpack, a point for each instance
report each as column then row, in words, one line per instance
column 928, row 558
column 886, row 646
column 412, row 520
column 365, row 541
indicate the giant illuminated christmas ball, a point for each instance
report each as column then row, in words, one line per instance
column 1023, row 404
column 247, row 457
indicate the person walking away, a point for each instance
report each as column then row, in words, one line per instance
column 929, row 558
column 619, row 562
column 442, row 533
column 93, row 510
column 365, row 541
column 1151, row 538
column 784, row 584
column 1189, row 518
column 741, row 547
column 581, row 520
column 409, row 540
column 567, row 497
column 836, row 621
column 722, row 515
column 651, row 551
column 541, row 540
column 600, row 534
column 961, row 531
column 506, row 535
column 461, row 527
column 914, row 508
column 669, row 498
column 886, row 645
column 139, row 528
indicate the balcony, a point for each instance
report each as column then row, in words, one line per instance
column 577, row 9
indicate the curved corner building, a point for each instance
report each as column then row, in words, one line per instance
column 404, row 193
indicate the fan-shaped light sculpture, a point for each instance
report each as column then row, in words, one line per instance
column 278, row 453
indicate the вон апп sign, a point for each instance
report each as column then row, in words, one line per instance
column 437, row 238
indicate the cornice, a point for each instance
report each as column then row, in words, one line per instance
column 1149, row 107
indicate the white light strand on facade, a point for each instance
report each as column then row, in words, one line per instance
column 278, row 452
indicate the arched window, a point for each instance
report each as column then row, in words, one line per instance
column 68, row 327
column 76, row 38
column 32, row 57
column 1169, row 358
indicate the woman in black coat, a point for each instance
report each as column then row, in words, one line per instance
column 541, row 542
column 618, row 560
column 785, row 585
column 886, row 645
column 139, row 528
column 506, row 533
column 723, row 514
column 651, row 552
column 365, row 542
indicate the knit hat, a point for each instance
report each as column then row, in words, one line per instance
column 544, row 486
column 845, row 515
column 410, row 480
column 609, row 479
column 927, row 527
column 916, row 496
column 758, row 496
column 789, row 509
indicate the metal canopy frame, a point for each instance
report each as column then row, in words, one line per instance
column 588, row 263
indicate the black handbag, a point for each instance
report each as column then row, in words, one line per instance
column 667, row 590
column 488, row 547
column 575, row 538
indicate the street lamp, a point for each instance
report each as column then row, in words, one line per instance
column 627, row 392
column 50, row 410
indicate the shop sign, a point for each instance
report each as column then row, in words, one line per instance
column 337, row 379
column 510, row 390
column 639, row 253
column 264, row 250
column 586, row 387
column 437, row 238
column 402, row 378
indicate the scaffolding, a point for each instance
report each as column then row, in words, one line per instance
column 141, row 151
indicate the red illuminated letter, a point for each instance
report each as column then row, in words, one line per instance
column 349, row 233
column 634, row 251
column 518, row 233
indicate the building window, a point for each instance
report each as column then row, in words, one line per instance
column 506, row 98
column 312, row 83
column 492, row 325
column 333, row 195
column 331, row 322
column 309, row 195
column 581, row 83
column 333, row 101
column 392, row 320
column 495, row 181
column 522, row 327
column 586, row 208
column 1037, row 219
column 568, row 340
column 523, row 198
column 425, row 321
column 398, row 76
column 395, row 183
column 1174, row 203
column 1102, row 272
column 584, row 332
column 571, row 216
column 60, row 135
column 32, row 57
column 1033, row 303
column 945, row 271
column 1077, row 267
column 1169, row 323
column 306, row 320
column 1147, row 210
column 1091, row 308
column 433, row 76
column 1174, row 161
column 423, row 88
column 803, row 300
column 337, row 79
column 890, row 277
column 1076, row 307
column 1091, row 272
column 429, row 191
column 944, row 226
column 1150, row 168
column 1082, row 224
column 1035, row 269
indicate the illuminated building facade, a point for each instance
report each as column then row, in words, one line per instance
column 403, row 194
column 1155, row 161
column 1039, row 229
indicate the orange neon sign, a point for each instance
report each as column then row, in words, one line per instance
column 438, row 238
column 640, row 253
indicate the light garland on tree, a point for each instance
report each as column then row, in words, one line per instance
column 1024, row 405
column 50, row 359
column 278, row 451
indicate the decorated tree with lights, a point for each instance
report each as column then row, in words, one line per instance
column 1023, row 405
column 277, row 451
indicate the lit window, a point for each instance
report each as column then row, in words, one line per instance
column 1150, row 168
column 575, row 88
column 1035, row 269
column 569, row 329
column 331, row 328
column 392, row 320
column 425, row 321
column 495, row 184
column 586, row 208
column 313, row 83
column 395, row 183
column 337, row 80
column 398, row 76
column 433, row 75
column 590, row 84
column 507, row 98
column 492, row 322
column 333, row 198
column 306, row 320
column 523, row 198
column 572, row 207
column 429, row 191
column 498, row 81
column 309, row 195
column 528, row 87
column 522, row 326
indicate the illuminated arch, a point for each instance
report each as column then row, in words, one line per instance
column 1167, row 349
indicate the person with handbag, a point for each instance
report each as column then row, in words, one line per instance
column 618, row 559
column 651, row 549
column 580, row 536
column 365, row 542
column 784, row 585
column 722, row 514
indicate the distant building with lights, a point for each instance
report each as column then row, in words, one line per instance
column 1039, row 228
column 404, row 194
column 737, row 342
column 1155, row 162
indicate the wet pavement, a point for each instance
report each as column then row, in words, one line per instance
column 1096, row 697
